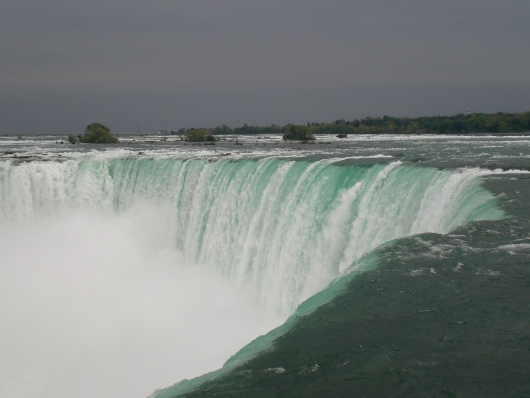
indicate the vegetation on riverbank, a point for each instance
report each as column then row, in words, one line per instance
column 457, row 124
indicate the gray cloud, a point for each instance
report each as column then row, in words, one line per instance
column 189, row 63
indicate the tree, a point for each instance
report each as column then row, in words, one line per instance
column 72, row 138
column 412, row 128
column 198, row 136
column 97, row 133
column 298, row 132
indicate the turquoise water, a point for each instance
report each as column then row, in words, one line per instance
column 284, row 228
column 289, row 225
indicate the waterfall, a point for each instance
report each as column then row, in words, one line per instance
column 282, row 228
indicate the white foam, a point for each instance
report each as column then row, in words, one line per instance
column 100, row 305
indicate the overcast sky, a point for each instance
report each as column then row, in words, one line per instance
column 172, row 63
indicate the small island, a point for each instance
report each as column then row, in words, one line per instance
column 199, row 135
column 299, row 133
column 95, row 133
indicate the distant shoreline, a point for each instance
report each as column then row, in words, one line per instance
column 523, row 134
column 499, row 124
column 472, row 123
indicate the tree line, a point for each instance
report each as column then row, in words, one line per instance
column 499, row 122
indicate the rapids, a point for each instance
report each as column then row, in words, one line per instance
column 122, row 273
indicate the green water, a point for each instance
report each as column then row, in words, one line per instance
column 434, row 315
column 282, row 228
column 401, row 262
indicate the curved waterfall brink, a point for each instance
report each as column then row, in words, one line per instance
column 282, row 228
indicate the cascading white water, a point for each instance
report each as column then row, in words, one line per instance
column 154, row 270
column 282, row 228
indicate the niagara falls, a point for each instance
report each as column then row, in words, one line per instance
column 128, row 268
column 273, row 199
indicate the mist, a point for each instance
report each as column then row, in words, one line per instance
column 95, row 304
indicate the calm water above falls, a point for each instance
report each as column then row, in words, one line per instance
column 136, row 248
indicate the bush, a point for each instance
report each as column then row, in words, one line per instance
column 72, row 138
column 96, row 133
column 299, row 133
column 198, row 136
